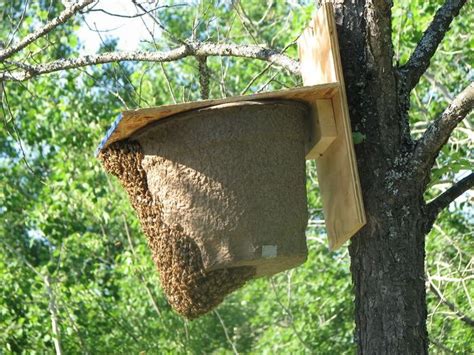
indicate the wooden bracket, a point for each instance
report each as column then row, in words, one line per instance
column 323, row 128
column 336, row 164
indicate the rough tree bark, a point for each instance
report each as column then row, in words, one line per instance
column 388, row 254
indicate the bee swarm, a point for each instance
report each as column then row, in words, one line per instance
column 190, row 290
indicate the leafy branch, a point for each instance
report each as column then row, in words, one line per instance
column 443, row 200
column 419, row 60
column 439, row 131
column 48, row 27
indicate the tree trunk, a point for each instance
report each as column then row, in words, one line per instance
column 387, row 256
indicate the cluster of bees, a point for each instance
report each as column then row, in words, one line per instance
column 190, row 289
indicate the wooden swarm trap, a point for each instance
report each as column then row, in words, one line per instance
column 219, row 185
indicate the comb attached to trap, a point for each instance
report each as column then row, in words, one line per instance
column 219, row 185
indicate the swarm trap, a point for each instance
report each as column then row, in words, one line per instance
column 219, row 185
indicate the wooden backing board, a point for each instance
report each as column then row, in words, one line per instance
column 337, row 167
column 131, row 121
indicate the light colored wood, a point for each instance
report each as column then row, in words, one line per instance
column 323, row 128
column 337, row 167
column 131, row 121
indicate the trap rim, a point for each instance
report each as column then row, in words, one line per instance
column 130, row 121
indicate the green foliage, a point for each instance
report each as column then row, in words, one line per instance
column 449, row 250
column 449, row 73
column 61, row 216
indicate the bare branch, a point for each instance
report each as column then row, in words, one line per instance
column 438, row 132
column 168, row 82
column 269, row 81
column 199, row 49
column 252, row 81
column 446, row 94
column 441, row 346
column 247, row 24
column 461, row 316
column 158, row 23
column 18, row 24
column 443, row 200
column 226, row 333
column 51, row 25
column 268, row 66
column 137, row 14
column 22, row 257
column 443, row 89
column 426, row 48
column 267, row 11
column 84, row 348
column 7, row 111
column 289, row 313
column 54, row 315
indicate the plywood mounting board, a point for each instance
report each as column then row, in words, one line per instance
column 129, row 122
column 337, row 167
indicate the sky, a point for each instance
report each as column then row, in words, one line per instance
column 129, row 31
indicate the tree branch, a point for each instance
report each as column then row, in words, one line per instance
column 438, row 132
column 137, row 14
column 443, row 200
column 168, row 82
column 158, row 23
column 226, row 333
column 54, row 315
column 199, row 49
column 51, row 25
column 419, row 61
column 461, row 316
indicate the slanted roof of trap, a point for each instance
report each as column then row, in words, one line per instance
column 129, row 122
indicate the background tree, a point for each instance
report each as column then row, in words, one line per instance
column 77, row 277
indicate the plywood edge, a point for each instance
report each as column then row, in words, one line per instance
column 338, row 177
column 335, row 244
column 109, row 133
column 131, row 121
column 329, row 9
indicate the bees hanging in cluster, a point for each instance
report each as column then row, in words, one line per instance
column 191, row 290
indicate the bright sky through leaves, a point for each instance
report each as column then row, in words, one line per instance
column 128, row 31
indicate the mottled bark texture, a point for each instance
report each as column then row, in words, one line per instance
column 24, row 71
column 439, row 131
column 387, row 256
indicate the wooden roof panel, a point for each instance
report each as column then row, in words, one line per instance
column 129, row 122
